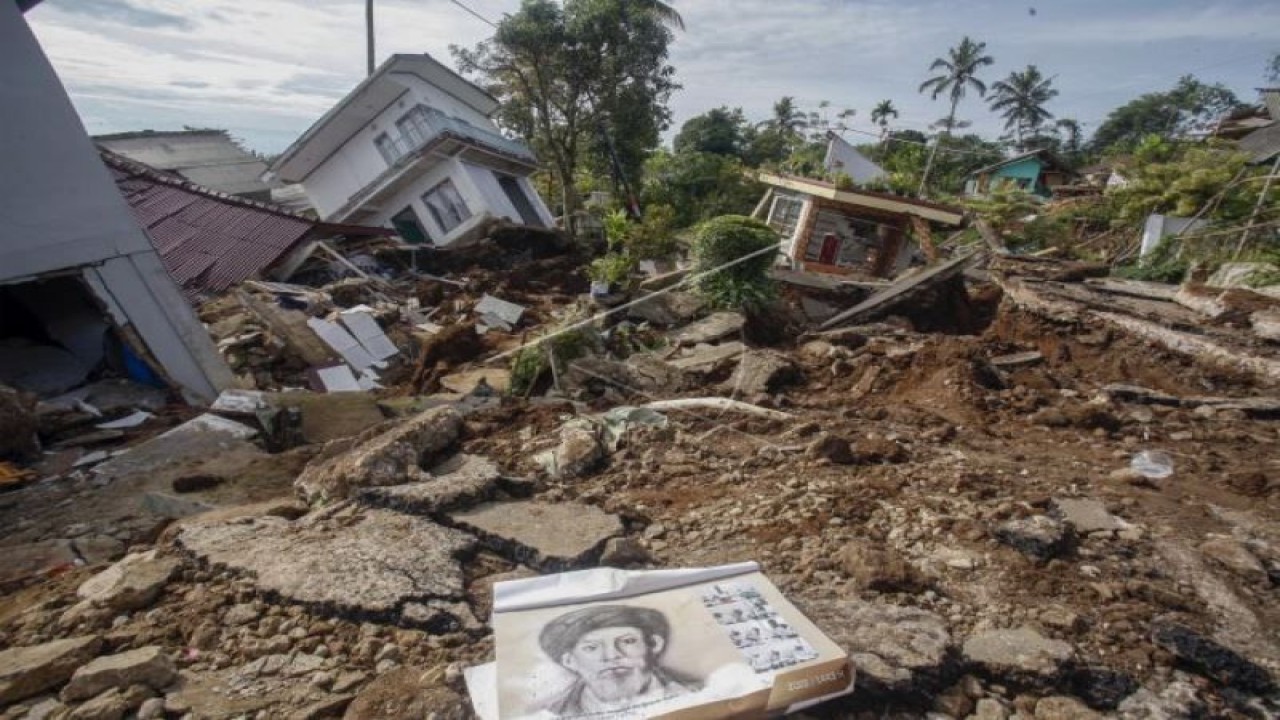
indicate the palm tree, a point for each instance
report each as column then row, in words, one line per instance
column 1070, row 129
column 1020, row 98
column 665, row 13
column 881, row 113
column 788, row 120
column 960, row 69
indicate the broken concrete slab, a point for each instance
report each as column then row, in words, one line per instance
column 901, row 291
column 379, row 456
column 1022, row 652
column 713, row 327
column 29, row 671
column 668, row 309
column 1041, row 537
column 761, row 372
column 893, row 647
column 132, row 583
column 362, row 561
column 549, row 537
column 149, row 666
column 204, row 436
column 706, row 358
column 460, row 481
column 1087, row 515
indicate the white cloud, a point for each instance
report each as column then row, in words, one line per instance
column 265, row 70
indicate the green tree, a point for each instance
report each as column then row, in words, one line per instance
column 1020, row 99
column 1187, row 107
column 788, row 120
column 881, row 113
column 960, row 69
column 698, row 185
column 1273, row 68
column 584, row 80
column 720, row 131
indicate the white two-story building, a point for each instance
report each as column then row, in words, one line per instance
column 413, row 147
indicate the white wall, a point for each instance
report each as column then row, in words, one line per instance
column 358, row 162
column 61, row 211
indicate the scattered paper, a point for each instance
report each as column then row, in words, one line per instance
column 128, row 421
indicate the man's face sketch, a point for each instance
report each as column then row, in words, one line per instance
column 615, row 662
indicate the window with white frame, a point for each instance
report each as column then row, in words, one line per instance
column 447, row 207
column 414, row 127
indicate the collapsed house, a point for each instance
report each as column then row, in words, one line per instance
column 1038, row 172
column 210, row 241
column 80, row 283
column 842, row 231
column 414, row 147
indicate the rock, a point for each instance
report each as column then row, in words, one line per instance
column 1210, row 659
column 668, row 309
column 1176, row 701
column 47, row 709
column 641, row 373
column 580, row 451
column 547, row 536
column 835, row 449
column 762, row 372
column 201, row 437
column 710, row 329
column 894, row 648
column 623, row 551
column 953, row 702
column 1087, row 515
column 18, row 425
column 1234, row 556
column 1100, row 687
column 196, row 483
column 1038, row 536
column 132, row 583
column 705, row 359
column 241, row 614
column 19, row 563
column 151, row 709
column 148, row 666
column 96, row 549
column 362, row 560
column 379, row 456
column 1059, row 707
column 879, row 568
column 408, row 693
column 1061, row 618
column 460, row 481
column 330, row 707
column 989, row 709
column 172, row 506
column 110, row 705
column 348, row 681
column 31, row 670
column 1021, row 652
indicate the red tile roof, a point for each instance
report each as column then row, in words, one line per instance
column 209, row 241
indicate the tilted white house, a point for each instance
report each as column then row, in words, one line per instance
column 413, row 147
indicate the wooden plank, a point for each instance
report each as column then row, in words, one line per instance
column 901, row 291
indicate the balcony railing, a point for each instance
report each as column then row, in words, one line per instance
column 432, row 124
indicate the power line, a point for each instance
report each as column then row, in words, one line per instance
column 475, row 14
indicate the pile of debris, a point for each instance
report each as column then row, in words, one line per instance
column 1006, row 487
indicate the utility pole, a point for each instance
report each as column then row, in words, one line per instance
column 368, row 31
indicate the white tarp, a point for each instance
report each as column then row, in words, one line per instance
column 707, row 643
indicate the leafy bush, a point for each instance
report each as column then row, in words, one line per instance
column 531, row 363
column 722, row 240
column 654, row 237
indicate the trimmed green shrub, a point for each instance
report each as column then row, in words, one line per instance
column 724, row 239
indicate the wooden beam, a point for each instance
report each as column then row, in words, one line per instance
column 924, row 236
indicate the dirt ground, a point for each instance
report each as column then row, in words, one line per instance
column 915, row 444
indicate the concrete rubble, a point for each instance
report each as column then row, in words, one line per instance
column 937, row 470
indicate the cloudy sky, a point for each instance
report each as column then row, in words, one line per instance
column 266, row 69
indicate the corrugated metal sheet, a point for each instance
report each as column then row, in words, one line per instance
column 207, row 242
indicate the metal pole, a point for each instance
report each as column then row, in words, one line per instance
column 368, row 32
